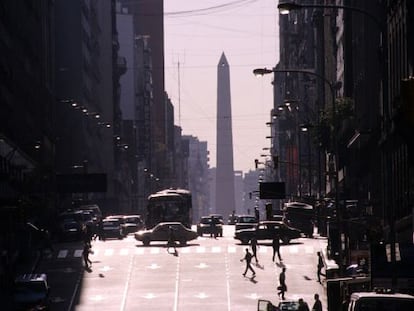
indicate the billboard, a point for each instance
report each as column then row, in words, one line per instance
column 272, row 190
column 81, row 183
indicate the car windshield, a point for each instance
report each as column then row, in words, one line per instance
column 205, row 221
column 247, row 220
column 111, row 223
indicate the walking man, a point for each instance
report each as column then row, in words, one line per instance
column 171, row 240
column 303, row 306
column 85, row 254
column 317, row 306
column 248, row 259
column 276, row 248
column 320, row 266
column 282, row 284
column 253, row 244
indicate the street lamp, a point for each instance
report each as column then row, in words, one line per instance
column 332, row 87
column 286, row 7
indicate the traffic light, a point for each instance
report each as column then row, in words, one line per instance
column 256, row 163
column 275, row 161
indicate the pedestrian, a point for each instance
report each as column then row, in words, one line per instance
column 282, row 284
column 257, row 214
column 171, row 240
column 317, row 306
column 248, row 259
column 303, row 306
column 320, row 266
column 276, row 248
column 213, row 229
column 253, row 244
column 85, row 254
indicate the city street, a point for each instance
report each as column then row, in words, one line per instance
column 206, row 274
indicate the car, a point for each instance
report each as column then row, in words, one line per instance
column 232, row 219
column 131, row 224
column 111, row 228
column 245, row 222
column 288, row 305
column 31, row 292
column 70, row 231
column 205, row 226
column 161, row 232
column 268, row 230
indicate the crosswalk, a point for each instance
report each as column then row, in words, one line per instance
column 103, row 251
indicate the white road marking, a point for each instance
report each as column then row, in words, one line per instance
column 231, row 249
column 139, row 251
column 202, row 265
column 150, row 296
column 155, row 250
column 124, row 252
column 77, row 253
column 200, row 249
column 154, row 266
column 309, row 249
column 201, row 295
column 109, row 252
column 293, row 249
column 253, row 296
column 216, row 249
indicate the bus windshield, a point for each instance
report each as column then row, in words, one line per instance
column 169, row 205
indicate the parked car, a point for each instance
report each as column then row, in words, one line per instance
column 132, row 223
column 31, row 292
column 268, row 230
column 205, row 226
column 70, row 231
column 161, row 232
column 111, row 228
column 245, row 222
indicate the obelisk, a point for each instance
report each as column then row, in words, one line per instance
column 225, row 201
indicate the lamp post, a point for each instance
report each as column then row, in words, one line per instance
column 334, row 174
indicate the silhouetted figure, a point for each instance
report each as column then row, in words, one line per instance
column 282, row 284
column 171, row 240
column 303, row 306
column 317, row 306
column 248, row 259
column 276, row 248
column 253, row 244
column 257, row 214
column 213, row 227
column 320, row 266
column 85, row 254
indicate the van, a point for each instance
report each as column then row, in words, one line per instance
column 92, row 207
column 374, row 301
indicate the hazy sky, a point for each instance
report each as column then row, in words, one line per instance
column 196, row 33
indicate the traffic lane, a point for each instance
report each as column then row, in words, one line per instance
column 64, row 275
column 204, row 280
column 104, row 286
column 153, row 280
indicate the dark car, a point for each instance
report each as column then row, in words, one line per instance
column 245, row 222
column 31, row 292
column 268, row 230
column 70, row 231
column 232, row 219
column 210, row 225
column 111, row 228
column 131, row 224
column 162, row 232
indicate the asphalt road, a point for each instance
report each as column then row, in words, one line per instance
column 204, row 275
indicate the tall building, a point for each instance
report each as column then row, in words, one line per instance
column 225, row 202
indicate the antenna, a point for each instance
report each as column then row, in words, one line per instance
column 179, row 90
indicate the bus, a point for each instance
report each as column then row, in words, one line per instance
column 301, row 216
column 169, row 205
